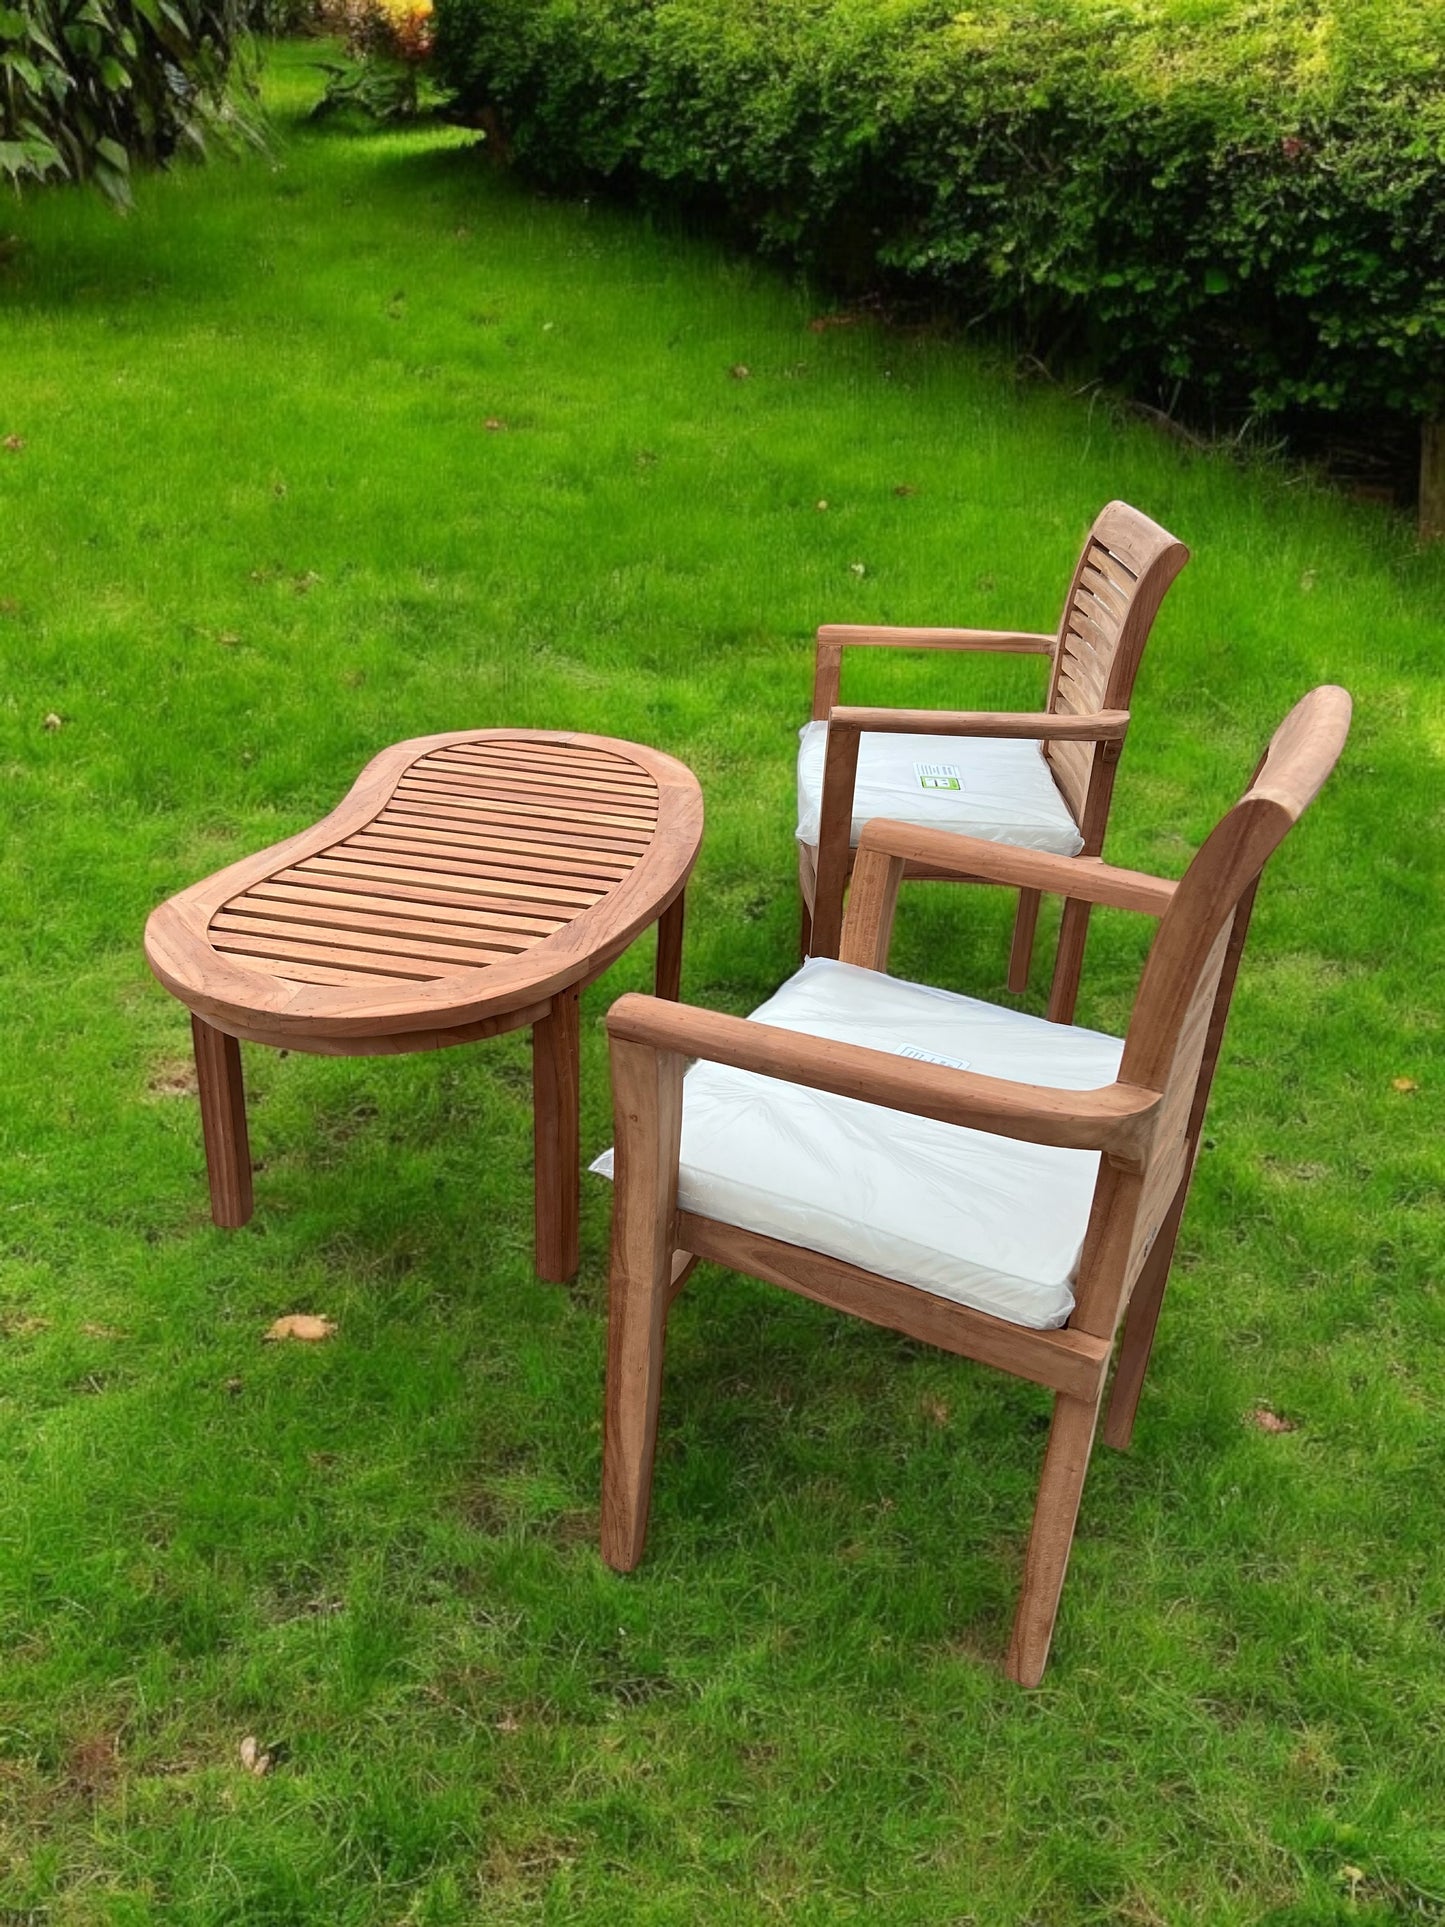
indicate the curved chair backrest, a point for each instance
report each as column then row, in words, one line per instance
column 1123, row 574
column 1183, row 1001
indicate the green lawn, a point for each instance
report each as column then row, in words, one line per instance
column 258, row 527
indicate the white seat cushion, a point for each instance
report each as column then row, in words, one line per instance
column 1005, row 789
column 987, row 1221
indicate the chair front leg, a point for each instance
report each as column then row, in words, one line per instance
column 1061, row 1485
column 647, row 1102
column 835, row 838
column 1022, row 953
column 1069, row 962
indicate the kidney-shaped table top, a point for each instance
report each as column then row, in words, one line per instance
column 464, row 877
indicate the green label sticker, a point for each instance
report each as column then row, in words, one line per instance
column 938, row 776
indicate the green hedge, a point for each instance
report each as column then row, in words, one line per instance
column 1237, row 204
column 89, row 86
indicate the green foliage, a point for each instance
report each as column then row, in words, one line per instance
column 284, row 19
column 87, row 87
column 390, row 42
column 379, row 89
column 1240, row 200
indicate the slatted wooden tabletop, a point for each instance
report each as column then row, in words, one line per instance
column 483, row 850
column 462, row 877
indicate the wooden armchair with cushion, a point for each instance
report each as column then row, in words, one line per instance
column 1041, row 780
column 998, row 1185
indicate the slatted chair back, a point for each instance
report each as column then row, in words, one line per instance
column 1122, row 576
column 1183, row 1001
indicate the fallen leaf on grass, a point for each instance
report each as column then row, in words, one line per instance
column 905, row 489
column 13, row 444
column 303, row 1325
column 254, row 1758
column 93, row 1763
column 1263, row 1420
column 53, row 722
column 1404, row 1085
column 740, row 371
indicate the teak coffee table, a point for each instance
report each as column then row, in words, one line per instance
column 468, row 884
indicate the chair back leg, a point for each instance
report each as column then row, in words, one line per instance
column 1139, row 1326
column 1061, row 1486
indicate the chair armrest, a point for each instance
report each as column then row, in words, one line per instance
column 1104, row 726
column 847, row 635
column 1087, row 878
column 886, row 847
column 834, row 637
column 1117, row 1118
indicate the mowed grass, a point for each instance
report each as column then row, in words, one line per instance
column 260, row 526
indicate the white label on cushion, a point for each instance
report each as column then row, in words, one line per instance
column 938, row 776
column 932, row 1057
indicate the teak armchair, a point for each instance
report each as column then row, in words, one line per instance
column 814, row 1149
column 860, row 763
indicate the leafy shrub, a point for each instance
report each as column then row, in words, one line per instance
column 285, row 19
column 389, row 42
column 1240, row 203
column 89, row 86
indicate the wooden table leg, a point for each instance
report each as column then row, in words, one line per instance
column 223, row 1122
column 556, row 1132
column 669, row 948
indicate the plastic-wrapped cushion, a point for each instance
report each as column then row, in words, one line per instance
column 1007, row 793
column 987, row 1221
